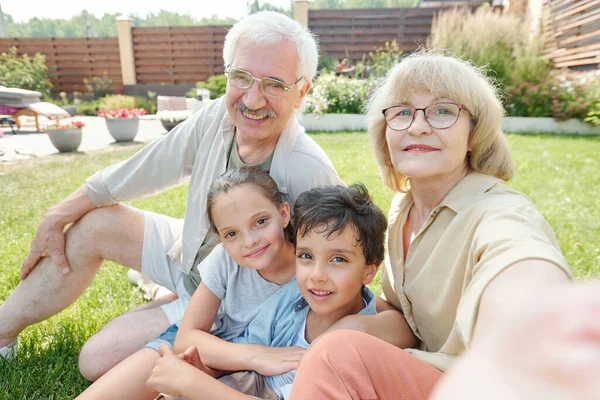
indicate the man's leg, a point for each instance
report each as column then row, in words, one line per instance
column 112, row 233
column 352, row 365
column 122, row 337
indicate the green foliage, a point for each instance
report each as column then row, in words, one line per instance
column 256, row 6
column 24, row 72
column 88, row 108
column 383, row 59
column 499, row 42
column 116, row 101
column 216, row 85
column 327, row 65
column 104, row 26
column 146, row 104
column 593, row 116
column 562, row 95
column 98, row 86
column 331, row 94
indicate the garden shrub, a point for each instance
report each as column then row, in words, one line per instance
column 88, row 108
column 593, row 116
column 98, row 87
column 562, row 95
column 116, row 101
column 24, row 72
column 333, row 94
column 216, row 85
column 146, row 104
column 500, row 42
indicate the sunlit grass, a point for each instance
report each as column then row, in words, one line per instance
column 560, row 175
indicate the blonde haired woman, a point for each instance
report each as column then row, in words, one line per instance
column 464, row 250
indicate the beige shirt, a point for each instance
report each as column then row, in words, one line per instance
column 197, row 150
column 480, row 228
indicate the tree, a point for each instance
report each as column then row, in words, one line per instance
column 24, row 72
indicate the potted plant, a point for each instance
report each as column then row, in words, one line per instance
column 66, row 137
column 123, row 123
column 171, row 118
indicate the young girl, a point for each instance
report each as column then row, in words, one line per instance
column 253, row 262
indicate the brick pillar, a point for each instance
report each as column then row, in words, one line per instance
column 301, row 11
column 124, row 25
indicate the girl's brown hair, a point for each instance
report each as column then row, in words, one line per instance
column 246, row 176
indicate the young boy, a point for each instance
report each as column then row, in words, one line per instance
column 339, row 246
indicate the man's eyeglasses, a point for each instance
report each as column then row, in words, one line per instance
column 271, row 87
column 439, row 115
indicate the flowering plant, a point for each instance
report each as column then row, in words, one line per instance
column 173, row 115
column 123, row 113
column 68, row 125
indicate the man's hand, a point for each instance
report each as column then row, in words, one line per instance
column 48, row 241
column 271, row 361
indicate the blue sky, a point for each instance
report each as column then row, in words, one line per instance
column 25, row 10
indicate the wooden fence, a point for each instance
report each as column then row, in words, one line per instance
column 352, row 33
column 572, row 32
column 70, row 60
column 178, row 54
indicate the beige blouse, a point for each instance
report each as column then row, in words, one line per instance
column 480, row 228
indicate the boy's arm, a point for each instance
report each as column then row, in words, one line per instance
column 222, row 355
column 388, row 324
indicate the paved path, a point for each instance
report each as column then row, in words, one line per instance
column 95, row 136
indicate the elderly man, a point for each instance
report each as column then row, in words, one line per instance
column 270, row 61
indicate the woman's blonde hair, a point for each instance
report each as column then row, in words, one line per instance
column 444, row 77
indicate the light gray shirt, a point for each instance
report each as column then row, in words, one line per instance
column 242, row 292
column 198, row 149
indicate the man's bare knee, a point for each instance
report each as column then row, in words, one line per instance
column 109, row 233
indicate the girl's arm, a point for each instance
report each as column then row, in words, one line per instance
column 222, row 355
column 180, row 376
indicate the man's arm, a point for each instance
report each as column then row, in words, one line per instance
column 49, row 238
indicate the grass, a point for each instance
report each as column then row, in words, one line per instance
column 559, row 173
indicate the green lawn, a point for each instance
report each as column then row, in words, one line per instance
column 560, row 174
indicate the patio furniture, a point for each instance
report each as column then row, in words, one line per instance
column 7, row 120
column 20, row 102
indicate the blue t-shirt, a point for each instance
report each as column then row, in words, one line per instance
column 281, row 323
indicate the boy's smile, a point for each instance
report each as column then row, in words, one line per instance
column 332, row 271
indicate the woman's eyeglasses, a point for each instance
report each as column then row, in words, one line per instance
column 439, row 116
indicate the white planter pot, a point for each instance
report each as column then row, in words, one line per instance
column 123, row 129
column 65, row 140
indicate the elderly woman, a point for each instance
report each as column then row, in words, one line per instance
column 464, row 250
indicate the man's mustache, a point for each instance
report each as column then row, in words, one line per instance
column 261, row 112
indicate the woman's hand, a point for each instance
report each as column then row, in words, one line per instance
column 548, row 348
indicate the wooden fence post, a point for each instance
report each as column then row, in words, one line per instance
column 124, row 25
column 301, row 12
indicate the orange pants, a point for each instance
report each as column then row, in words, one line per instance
column 347, row 364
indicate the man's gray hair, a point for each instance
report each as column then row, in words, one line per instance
column 268, row 28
